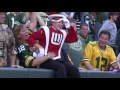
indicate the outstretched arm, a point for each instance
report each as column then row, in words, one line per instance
column 33, row 20
column 40, row 20
column 40, row 60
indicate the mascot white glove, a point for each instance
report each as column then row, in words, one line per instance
column 66, row 22
column 39, row 53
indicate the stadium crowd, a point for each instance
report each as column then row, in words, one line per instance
column 63, row 41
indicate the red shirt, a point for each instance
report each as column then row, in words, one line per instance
column 52, row 40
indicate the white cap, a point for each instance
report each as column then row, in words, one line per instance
column 56, row 17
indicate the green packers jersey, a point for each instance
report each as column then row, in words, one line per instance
column 21, row 18
column 24, row 55
column 10, row 20
column 98, row 58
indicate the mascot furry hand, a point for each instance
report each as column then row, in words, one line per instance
column 39, row 53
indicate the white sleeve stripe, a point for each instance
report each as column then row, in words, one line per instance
column 85, row 59
column 113, row 62
column 46, row 29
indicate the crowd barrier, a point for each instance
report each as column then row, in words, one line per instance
column 7, row 72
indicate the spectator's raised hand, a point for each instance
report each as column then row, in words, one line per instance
column 40, row 19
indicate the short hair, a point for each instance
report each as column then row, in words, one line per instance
column 105, row 32
column 83, row 24
column 111, row 14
